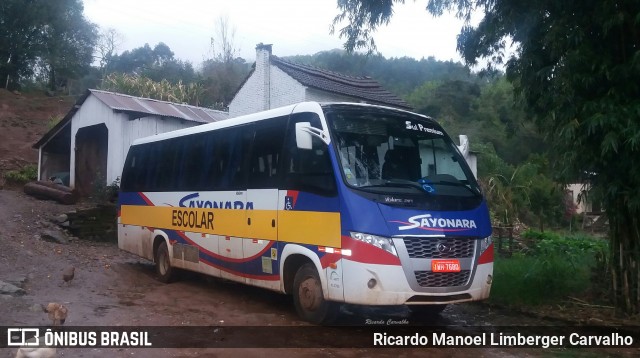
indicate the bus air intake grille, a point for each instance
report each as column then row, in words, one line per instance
column 439, row 248
column 442, row 279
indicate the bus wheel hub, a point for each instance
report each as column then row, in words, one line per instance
column 310, row 294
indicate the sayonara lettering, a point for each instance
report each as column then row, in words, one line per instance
column 190, row 201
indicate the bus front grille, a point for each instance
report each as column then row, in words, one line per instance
column 439, row 248
column 442, row 279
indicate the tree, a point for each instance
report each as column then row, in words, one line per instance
column 68, row 42
column 109, row 41
column 576, row 65
column 225, row 34
column 224, row 71
column 50, row 37
column 157, row 63
column 18, row 39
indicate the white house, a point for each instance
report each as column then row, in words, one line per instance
column 274, row 82
column 89, row 145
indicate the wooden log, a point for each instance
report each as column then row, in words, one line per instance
column 37, row 190
column 53, row 185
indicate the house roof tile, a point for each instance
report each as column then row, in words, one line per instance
column 364, row 88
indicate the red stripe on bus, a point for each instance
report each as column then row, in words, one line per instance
column 241, row 274
column 487, row 256
column 366, row 253
column 146, row 200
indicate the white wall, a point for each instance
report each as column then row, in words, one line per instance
column 284, row 89
column 92, row 112
column 249, row 97
column 575, row 190
column 253, row 95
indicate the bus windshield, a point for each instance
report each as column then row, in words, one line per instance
column 385, row 151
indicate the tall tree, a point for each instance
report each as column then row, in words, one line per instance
column 19, row 38
column 68, row 43
column 223, row 72
column 49, row 36
column 107, row 47
column 577, row 66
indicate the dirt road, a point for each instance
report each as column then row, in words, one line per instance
column 113, row 288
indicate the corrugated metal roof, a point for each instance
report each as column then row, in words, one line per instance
column 126, row 103
column 139, row 106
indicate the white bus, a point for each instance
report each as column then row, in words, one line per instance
column 331, row 203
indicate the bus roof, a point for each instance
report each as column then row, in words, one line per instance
column 258, row 116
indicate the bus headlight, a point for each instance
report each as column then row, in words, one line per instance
column 485, row 243
column 380, row 242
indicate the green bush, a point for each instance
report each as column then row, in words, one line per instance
column 22, row 176
column 573, row 245
column 555, row 266
column 105, row 193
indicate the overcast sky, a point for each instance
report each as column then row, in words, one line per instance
column 294, row 27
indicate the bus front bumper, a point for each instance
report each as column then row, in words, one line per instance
column 372, row 284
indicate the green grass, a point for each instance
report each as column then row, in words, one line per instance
column 22, row 176
column 555, row 267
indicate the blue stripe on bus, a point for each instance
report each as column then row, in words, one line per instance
column 311, row 202
column 131, row 198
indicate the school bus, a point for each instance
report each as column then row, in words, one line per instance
column 331, row 203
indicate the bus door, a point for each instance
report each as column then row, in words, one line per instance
column 263, row 180
column 234, row 148
column 309, row 204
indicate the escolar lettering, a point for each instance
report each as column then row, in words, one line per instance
column 192, row 219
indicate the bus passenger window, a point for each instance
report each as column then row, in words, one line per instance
column 265, row 154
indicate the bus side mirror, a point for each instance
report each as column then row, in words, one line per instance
column 303, row 135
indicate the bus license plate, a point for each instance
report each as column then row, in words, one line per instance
column 445, row 265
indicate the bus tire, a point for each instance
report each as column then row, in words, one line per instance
column 426, row 311
column 165, row 272
column 309, row 298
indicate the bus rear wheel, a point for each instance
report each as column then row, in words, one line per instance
column 309, row 298
column 165, row 272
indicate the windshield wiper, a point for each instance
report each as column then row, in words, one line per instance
column 395, row 183
column 456, row 183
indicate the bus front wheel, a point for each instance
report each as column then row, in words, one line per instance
column 309, row 298
column 164, row 270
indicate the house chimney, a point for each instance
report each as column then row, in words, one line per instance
column 263, row 67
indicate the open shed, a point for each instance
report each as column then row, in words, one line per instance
column 88, row 147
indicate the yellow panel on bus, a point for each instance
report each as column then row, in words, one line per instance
column 210, row 221
column 303, row 227
column 310, row 227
